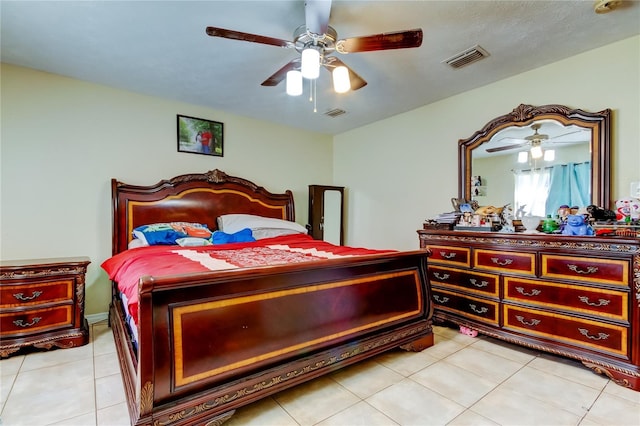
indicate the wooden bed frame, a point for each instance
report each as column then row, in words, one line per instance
column 209, row 343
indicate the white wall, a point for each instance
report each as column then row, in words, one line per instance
column 403, row 170
column 63, row 140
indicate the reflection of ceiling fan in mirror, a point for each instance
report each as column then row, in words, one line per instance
column 316, row 41
column 535, row 140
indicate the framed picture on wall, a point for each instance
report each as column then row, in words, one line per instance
column 200, row 136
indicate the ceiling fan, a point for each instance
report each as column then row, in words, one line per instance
column 535, row 140
column 317, row 36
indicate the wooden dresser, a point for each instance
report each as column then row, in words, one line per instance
column 573, row 296
column 42, row 304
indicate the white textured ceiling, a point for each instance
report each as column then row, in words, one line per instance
column 160, row 48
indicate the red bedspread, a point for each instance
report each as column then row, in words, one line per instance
column 128, row 267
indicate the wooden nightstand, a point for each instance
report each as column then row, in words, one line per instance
column 42, row 304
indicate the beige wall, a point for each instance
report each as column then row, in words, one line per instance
column 63, row 140
column 403, row 170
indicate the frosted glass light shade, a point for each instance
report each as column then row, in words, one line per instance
column 341, row 82
column 310, row 63
column 523, row 156
column 536, row 152
column 294, row 83
column 549, row 155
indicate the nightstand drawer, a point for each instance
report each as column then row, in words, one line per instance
column 505, row 261
column 595, row 335
column 36, row 293
column 594, row 301
column 595, row 270
column 450, row 255
column 35, row 320
column 486, row 284
column 468, row 306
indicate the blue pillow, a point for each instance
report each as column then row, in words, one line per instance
column 242, row 236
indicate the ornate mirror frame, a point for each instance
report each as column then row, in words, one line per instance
column 523, row 115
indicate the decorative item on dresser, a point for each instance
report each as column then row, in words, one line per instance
column 42, row 303
column 573, row 296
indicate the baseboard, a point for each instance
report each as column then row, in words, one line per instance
column 94, row 318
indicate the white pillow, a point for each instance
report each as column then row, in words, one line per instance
column 193, row 242
column 136, row 242
column 261, row 227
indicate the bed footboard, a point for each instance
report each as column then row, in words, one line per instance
column 211, row 343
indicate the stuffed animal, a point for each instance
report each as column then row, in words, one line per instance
column 576, row 224
column 600, row 214
column 468, row 331
column 627, row 207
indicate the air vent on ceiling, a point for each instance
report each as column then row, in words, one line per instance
column 335, row 112
column 467, row 57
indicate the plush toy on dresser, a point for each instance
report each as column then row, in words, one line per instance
column 576, row 224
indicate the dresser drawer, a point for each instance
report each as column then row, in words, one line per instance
column 588, row 269
column 36, row 293
column 450, row 255
column 35, row 320
column 576, row 298
column 595, row 335
column 468, row 306
column 505, row 261
column 476, row 282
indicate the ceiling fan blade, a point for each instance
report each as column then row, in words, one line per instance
column 505, row 147
column 565, row 134
column 357, row 82
column 383, row 41
column 281, row 74
column 254, row 38
column 316, row 14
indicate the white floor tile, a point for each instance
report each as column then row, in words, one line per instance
column 409, row 403
column 316, row 400
column 459, row 381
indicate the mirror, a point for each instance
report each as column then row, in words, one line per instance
column 489, row 171
column 326, row 212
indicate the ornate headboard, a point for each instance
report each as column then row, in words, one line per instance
column 191, row 198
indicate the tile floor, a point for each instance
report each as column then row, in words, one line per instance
column 459, row 381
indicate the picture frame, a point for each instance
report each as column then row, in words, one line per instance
column 200, row 136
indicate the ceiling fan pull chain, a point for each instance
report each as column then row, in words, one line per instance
column 315, row 97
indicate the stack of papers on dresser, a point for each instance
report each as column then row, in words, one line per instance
column 451, row 217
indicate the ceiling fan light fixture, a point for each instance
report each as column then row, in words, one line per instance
column 294, row 83
column 310, row 63
column 536, row 152
column 341, row 82
column 523, row 156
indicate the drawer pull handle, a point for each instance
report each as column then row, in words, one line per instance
column 22, row 297
column 525, row 322
column 601, row 302
column 21, row 323
column 446, row 255
column 585, row 333
column 442, row 300
column 501, row 262
column 589, row 270
column 482, row 310
column 534, row 292
column 441, row 276
column 480, row 284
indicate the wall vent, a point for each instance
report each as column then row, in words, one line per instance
column 335, row 112
column 469, row 56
